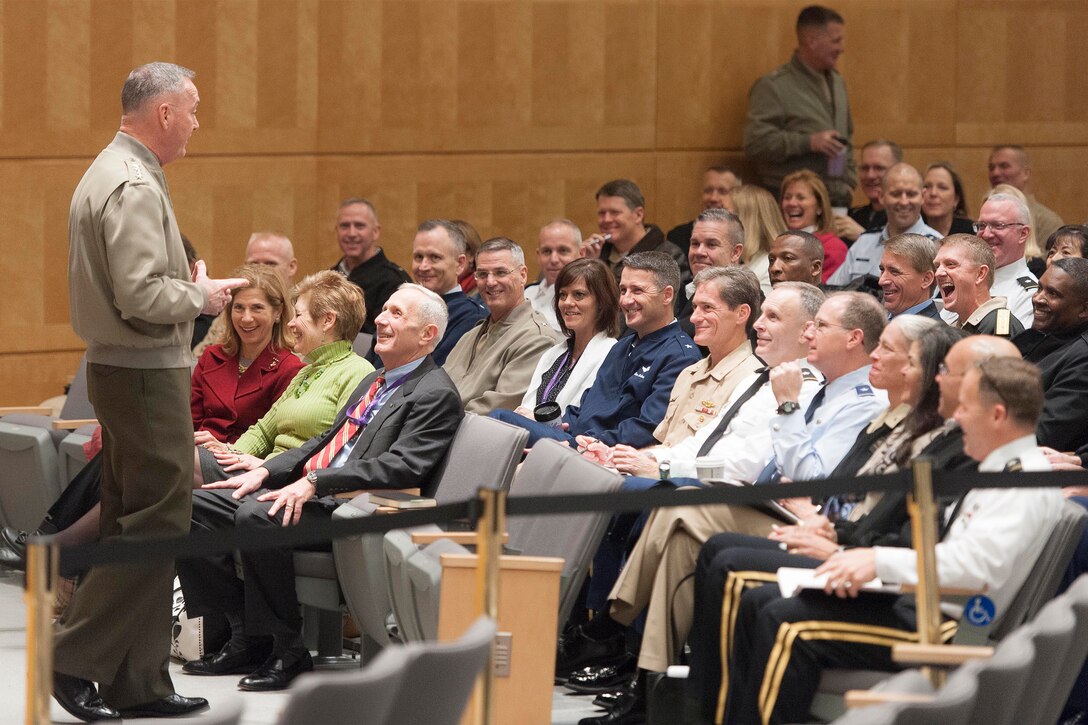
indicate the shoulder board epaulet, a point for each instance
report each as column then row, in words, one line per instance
column 864, row 391
column 808, row 375
column 137, row 174
column 1004, row 321
column 1027, row 282
column 1013, row 466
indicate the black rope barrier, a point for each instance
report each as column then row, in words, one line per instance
column 202, row 543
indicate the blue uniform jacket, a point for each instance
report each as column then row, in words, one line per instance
column 464, row 312
column 631, row 393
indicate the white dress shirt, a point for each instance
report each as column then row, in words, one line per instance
column 542, row 296
column 997, row 535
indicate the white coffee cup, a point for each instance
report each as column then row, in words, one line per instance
column 708, row 467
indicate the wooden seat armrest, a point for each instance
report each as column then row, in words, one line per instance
column 351, row 495
column 26, row 409
column 464, row 538
column 944, row 655
column 62, row 424
column 864, row 698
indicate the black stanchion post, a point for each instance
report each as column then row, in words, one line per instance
column 41, row 588
column 923, row 524
column 489, row 535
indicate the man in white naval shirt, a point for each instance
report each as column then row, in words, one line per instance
column 991, row 539
column 901, row 194
column 1004, row 222
column 808, row 447
column 559, row 244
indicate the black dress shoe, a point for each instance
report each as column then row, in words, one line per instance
column 603, row 678
column 16, row 540
column 169, row 706
column 630, row 709
column 277, row 672
column 608, row 700
column 10, row 560
column 81, row 699
column 576, row 650
column 228, row 662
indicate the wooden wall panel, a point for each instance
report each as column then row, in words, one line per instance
column 504, row 112
column 31, row 378
column 1020, row 73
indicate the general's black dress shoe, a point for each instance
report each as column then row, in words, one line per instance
column 277, row 672
column 603, row 678
column 229, row 662
column 81, row 699
column 576, row 650
column 169, row 706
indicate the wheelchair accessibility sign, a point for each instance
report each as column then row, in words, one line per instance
column 979, row 610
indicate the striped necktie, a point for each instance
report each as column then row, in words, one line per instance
column 352, row 423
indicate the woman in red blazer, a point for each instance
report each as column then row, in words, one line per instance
column 234, row 384
column 237, row 380
column 806, row 206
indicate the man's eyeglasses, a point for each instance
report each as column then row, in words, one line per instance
column 481, row 275
column 980, row 227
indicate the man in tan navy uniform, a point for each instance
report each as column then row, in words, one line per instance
column 133, row 302
column 965, row 271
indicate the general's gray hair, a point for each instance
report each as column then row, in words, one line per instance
column 503, row 244
column 151, row 81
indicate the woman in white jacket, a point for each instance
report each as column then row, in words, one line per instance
column 587, row 303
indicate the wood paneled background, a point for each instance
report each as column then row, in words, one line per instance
column 503, row 112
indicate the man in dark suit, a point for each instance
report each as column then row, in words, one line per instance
column 907, row 277
column 393, row 434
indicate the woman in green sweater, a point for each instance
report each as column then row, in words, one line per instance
column 329, row 311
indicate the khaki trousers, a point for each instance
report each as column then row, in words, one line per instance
column 116, row 630
column 659, row 573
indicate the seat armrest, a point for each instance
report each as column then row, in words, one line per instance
column 864, row 698
column 464, row 538
column 62, row 424
column 26, row 409
column 944, row 655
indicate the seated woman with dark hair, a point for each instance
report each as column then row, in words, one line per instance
column 587, row 303
column 1068, row 241
column 327, row 314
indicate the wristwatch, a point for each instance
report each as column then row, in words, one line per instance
column 311, row 477
column 788, row 407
